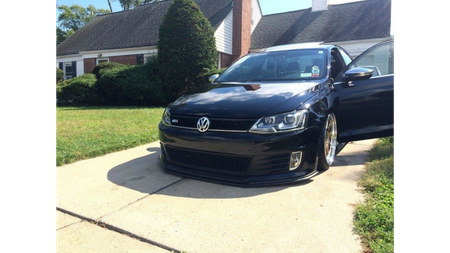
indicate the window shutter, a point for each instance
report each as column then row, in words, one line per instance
column 61, row 66
column 74, row 69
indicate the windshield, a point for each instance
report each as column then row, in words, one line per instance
column 304, row 64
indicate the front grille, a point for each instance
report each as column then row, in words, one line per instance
column 240, row 125
column 216, row 123
column 207, row 160
column 190, row 122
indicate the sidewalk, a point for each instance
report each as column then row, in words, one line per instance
column 106, row 204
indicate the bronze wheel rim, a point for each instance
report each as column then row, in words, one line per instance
column 330, row 140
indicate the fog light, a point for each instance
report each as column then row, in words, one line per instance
column 296, row 158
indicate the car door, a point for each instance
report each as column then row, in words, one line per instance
column 366, row 95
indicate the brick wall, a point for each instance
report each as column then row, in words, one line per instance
column 89, row 65
column 225, row 60
column 242, row 21
column 124, row 59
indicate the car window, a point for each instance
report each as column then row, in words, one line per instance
column 304, row 64
column 335, row 64
column 347, row 58
column 379, row 59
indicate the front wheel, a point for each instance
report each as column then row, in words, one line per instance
column 327, row 143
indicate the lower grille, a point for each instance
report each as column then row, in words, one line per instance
column 208, row 160
column 276, row 163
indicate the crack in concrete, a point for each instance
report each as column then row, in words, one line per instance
column 119, row 230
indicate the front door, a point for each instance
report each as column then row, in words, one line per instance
column 366, row 105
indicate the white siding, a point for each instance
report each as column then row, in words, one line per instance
column 224, row 35
column 256, row 15
column 319, row 5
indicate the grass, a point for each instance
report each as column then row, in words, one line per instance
column 374, row 219
column 83, row 133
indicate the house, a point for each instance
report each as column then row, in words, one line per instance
column 129, row 37
column 354, row 25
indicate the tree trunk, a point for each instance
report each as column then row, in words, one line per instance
column 110, row 7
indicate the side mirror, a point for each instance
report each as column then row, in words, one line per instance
column 358, row 74
column 213, row 78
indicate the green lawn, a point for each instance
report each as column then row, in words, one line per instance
column 374, row 219
column 83, row 133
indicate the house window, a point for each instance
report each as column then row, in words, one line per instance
column 139, row 59
column 379, row 59
column 100, row 60
column 69, row 70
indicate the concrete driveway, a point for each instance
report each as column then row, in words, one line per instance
column 123, row 202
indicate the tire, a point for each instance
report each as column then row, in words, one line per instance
column 327, row 143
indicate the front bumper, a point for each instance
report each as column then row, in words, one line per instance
column 242, row 159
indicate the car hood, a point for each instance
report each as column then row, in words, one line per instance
column 244, row 100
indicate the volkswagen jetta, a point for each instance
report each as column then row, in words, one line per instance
column 280, row 115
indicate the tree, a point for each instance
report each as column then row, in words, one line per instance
column 129, row 4
column 186, row 48
column 110, row 7
column 72, row 18
column 62, row 35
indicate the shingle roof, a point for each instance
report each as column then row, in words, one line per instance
column 352, row 21
column 134, row 28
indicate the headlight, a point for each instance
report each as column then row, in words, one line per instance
column 166, row 117
column 280, row 123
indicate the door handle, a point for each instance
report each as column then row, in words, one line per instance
column 350, row 84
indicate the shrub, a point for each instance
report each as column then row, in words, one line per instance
column 131, row 85
column 58, row 94
column 79, row 90
column 100, row 68
column 59, row 75
column 186, row 48
column 210, row 72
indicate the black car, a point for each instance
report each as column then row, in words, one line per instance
column 280, row 115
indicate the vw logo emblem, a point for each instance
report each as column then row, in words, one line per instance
column 203, row 124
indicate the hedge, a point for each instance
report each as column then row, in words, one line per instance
column 80, row 90
column 100, row 68
column 136, row 85
column 114, row 84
